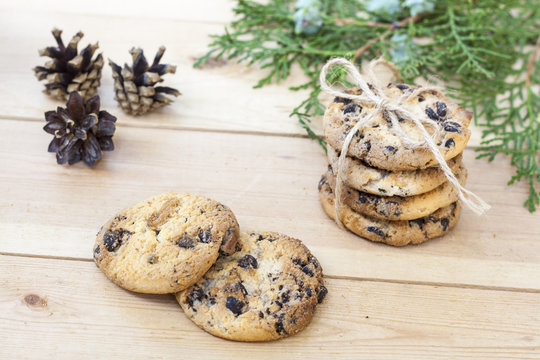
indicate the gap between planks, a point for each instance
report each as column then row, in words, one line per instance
column 190, row 128
column 338, row 277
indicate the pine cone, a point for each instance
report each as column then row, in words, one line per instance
column 67, row 71
column 135, row 86
column 81, row 131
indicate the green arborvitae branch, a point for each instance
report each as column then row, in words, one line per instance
column 480, row 47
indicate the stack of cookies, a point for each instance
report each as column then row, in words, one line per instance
column 393, row 192
column 239, row 286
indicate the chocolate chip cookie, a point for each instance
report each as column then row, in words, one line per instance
column 398, row 207
column 377, row 146
column 267, row 290
column 396, row 233
column 166, row 243
column 380, row 182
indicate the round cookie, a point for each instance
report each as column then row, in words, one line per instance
column 377, row 146
column 166, row 243
column 390, row 183
column 398, row 207
column 267, row 290
column 396, row 233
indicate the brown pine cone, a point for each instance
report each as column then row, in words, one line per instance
column 81, row 131
column 67, row 71
column 134, row 86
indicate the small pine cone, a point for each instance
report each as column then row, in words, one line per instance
column 134, row 86
column 81, row 131
column 67, row 71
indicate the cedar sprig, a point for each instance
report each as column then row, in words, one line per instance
column 479, row 47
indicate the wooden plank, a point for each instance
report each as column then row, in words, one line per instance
column 220, row 97
column 209, row 11
column 78, row 313
column 270, row 183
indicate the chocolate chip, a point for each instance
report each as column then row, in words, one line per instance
column 285, row 297
column 445, row 222
column 268, row 311
column 186, row 242
column 441, row 108
column 279, row 327
column 194, row 295
column 314, row 261
column 97, row 250
column 212, row 300
column 280, row 287
column 261, row 315
column 342, row 100
column 450, row 143
column 420, row 98
column 362, row 199
column 206, row 236
column 270, row 239
column 418, row 222
column 234, row 305
column 352, row 108
column 402, row 86
column 390, row 149
column 432, row 114
column 113, row 239
column 451, row 126
column 306, row 270
column 376, row 230
column 278, row 303
column 382, row 191
column 368, row 145
column 308, row 291
column 321, row 182
column 240, row 287
column 322, row 293
column 248, row 261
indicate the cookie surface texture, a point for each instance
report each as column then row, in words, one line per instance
column 378, row 146
column 398, row 207
column 267, row 290
column 166, row 243
column 396, row 233
column 375, row 181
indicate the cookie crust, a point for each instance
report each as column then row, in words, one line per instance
column 166, row 243
column 396, row 233
column 267, row 290
column 378, row 147
column 362, row 177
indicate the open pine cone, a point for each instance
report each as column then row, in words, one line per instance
column 81, row 131
column 67, row 71
column 134, row 86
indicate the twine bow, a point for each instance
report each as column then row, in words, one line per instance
column 394, row 108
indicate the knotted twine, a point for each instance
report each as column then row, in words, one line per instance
column 393, row 108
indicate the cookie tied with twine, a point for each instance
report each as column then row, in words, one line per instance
column 395, row 110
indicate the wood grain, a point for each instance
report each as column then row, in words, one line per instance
column 72, row 311
column 218, row 97
column 208, row 11
column 271, row 184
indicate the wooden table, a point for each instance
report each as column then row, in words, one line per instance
column 473, row 294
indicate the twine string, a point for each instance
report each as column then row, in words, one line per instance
column 394, row 108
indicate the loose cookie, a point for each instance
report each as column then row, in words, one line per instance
column 165, row 244
column 379, row 147
column 267, row 290
column 375, row 181
column 396, row 233
column 398, row 207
